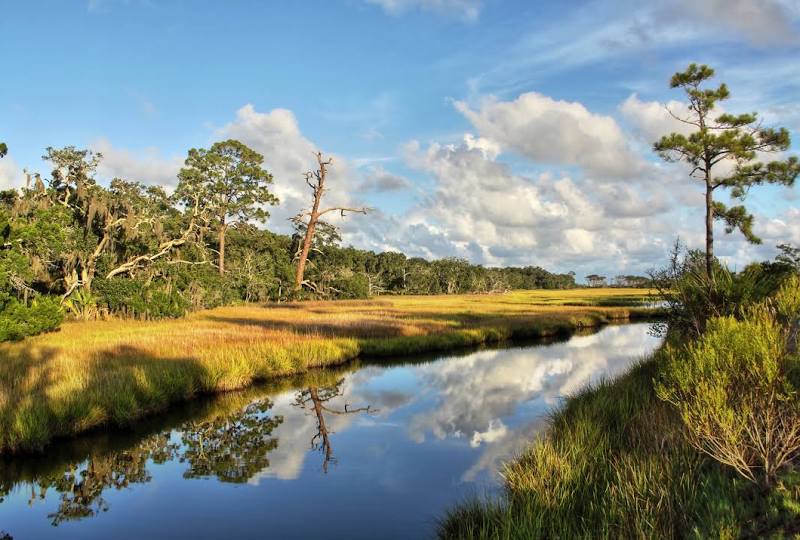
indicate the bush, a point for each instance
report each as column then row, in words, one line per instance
column 736, row 387
column 18, row 320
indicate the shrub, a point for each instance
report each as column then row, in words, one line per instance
column 736, row 387
column 18, row 320
column 138, row 299
column 692, row 298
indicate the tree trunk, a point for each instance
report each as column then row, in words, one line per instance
column 309, row 237
column 222, row 230
column 323, row 429
column 709, row 232
column 87, row 276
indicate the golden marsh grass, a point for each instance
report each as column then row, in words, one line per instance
column 90, row 374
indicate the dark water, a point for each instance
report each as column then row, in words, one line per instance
column 371, row 451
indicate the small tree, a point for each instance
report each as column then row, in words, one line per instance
column 596, row 280
column 3, row 149
column 308, row 221
column 229, row 182
column 729, row 139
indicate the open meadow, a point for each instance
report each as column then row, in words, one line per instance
column 90, row 374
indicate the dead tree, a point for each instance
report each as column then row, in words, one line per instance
column 314, row 399
column 316, row 181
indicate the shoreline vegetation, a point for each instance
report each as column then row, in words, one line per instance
column 699, row 440
column 90, row 375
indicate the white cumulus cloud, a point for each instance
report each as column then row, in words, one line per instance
column 147, row 166
column 11, row 177
column 287, row 155
column 557, row 132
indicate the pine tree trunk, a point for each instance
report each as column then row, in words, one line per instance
column 709, row 232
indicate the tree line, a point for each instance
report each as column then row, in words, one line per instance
column 70, row 244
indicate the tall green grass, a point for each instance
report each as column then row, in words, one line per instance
column 615, row 463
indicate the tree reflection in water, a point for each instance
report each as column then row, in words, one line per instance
column 314, row 400
column 232, row 448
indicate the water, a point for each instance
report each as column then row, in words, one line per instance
column 374, row 450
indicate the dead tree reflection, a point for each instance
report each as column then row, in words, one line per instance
column 314, row 400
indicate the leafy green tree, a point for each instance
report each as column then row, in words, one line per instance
column 721, row 151
column 228, row 184
column 72, row 185
column 3, row 149
column 119, row 228
column 789, row 255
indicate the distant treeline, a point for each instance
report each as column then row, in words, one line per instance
column 70, row 245
column 595, row 280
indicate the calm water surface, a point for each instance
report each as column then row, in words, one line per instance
column 369, row 451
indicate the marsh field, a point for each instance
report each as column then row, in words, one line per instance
column 105, row 373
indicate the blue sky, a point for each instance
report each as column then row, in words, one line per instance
column 507, row 132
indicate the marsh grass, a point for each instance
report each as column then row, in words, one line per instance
column 616, row 463
column 92, row 374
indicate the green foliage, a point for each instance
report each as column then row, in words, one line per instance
column 18, row 320
column 736, row 387
column 228, row 180
column 223, row 185
column 789, row 256
column 692, row 298
column 3, row 150
column 82, row 304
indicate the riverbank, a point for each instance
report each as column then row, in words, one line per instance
column 615, row 463
column 110, row 373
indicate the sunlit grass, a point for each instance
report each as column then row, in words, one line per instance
column 90, row 374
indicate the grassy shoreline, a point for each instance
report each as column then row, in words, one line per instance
column 615, row 463
column 110, row 373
